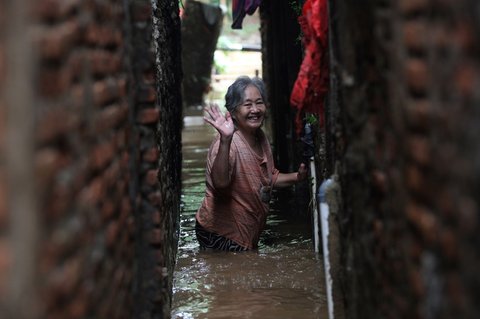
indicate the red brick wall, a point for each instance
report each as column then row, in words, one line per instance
column 440, row 45
column 405, row 132
column 99, row 209
column 86, row 249
column 157, row 134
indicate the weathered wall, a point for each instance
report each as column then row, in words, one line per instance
column 168, row 75
column 281, row 58
column 86, row 228
column 4, row 241
column 201, row 26
column 4, row 246
column 405, row 131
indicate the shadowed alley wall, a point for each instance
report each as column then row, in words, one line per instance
column 281, row 58
column 87, row 220
column 404, row 129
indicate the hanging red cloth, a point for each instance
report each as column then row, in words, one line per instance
column 311, row 86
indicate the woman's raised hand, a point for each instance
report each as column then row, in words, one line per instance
column 222, row 123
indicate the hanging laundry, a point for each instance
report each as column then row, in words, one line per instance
column 240, row 8
column 311, row 86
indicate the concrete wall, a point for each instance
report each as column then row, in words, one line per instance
column 404, row 131
column 86, row 228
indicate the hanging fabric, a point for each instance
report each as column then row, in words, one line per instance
column 240, row 8
column 311, row 85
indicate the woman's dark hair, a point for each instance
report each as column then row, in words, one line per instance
column 236, row 92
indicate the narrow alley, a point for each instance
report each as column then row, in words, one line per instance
column 103, row 149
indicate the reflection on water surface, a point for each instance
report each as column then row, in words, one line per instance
column 284, row 279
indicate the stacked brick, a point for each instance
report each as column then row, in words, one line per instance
column 82, row 160
column 406, row 139
column 442, row 77
column 167, row 44
column 157, row 134
column 104, row 225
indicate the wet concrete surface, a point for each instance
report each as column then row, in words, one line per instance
column 283, row 279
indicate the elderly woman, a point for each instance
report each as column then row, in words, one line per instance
column 240, row 171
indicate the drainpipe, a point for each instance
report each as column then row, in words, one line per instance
column 308, row 153
column 316, row 234
column 325, row 188
column 321, row 215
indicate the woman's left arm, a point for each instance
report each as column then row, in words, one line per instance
column 289, row 179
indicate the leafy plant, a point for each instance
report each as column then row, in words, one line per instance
column 311, row 119
column 296, row 6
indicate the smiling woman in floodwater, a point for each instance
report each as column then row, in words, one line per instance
column 240, row 171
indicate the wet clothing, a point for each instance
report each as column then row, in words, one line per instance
column 208, row 240
column 238, row 212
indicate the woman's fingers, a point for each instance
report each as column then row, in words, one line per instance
column 209, row 121
column 228, row 116
column 302, row 172
column 207, row 114
column 222, row 123
column 214, row 111
column 213, row 116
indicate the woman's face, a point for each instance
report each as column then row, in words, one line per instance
column 250, row 114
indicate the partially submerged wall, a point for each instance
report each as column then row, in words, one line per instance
column 87, row 222
column 405, row 129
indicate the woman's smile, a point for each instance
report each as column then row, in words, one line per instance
column 250, row 115
column 255, row 118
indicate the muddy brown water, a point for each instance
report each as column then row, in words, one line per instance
column 283, row 279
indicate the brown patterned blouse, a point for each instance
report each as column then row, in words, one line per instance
column 238, row 212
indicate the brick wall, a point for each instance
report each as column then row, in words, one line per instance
column 440, row 45
column 405, row 132
column 98, row 228
column 158, row 131
column 82, row 160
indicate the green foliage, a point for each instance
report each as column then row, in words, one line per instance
column 311, row 119
column 296, row 6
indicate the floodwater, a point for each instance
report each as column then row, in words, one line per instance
column 283, row 279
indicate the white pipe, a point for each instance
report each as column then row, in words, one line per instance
column 316, row 235
column 325, row 212
column 307, row 138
